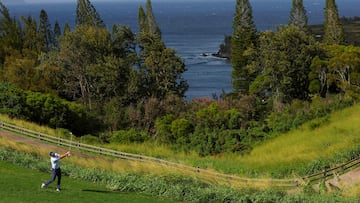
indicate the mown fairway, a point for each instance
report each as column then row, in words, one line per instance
column 23, row 185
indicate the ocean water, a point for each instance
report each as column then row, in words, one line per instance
column 195, row 29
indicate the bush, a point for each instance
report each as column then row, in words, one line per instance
column 12, row 100
column 128, row 136
column 90, row 139
column 181, row 130
column 163, row 129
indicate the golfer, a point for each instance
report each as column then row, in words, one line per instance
column 55, row 169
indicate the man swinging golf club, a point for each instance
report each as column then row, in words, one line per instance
column 55, row 169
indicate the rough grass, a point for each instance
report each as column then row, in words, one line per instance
column 353, row 192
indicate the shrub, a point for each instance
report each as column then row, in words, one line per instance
column 90, row 139
column 163, row 129
column 128, row 136
column 181, row 130
column 12, row 100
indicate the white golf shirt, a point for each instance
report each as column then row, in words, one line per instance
column 55, row 161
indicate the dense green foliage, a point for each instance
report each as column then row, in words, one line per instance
column 46, row 109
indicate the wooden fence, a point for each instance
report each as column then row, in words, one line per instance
column 283, row 183
column 327, row 173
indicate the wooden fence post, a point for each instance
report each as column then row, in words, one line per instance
column 325, row 172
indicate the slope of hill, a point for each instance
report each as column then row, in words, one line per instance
column 313, row 146
column 320, row 143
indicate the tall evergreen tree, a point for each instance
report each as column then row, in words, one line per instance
column 57, row 33
column 160, row 69
column 142, row 20
column 10, row 33
column 152, row 26
column 244, row 36
column 333, row 29
column 86, row 14
column 298, row 15
column 32, row 39
column 45, row 31
column 67, row 28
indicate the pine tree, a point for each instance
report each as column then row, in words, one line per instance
column 57, row 30
column 298, row 15
column 67, row 28
column 333, row 29
column 152, row 26
column 86, row 14
column 149, row 32
column 10, row 33
column 32, row 39
column 160, row 69
column 244, row 36
column 45, row 31
column 142, row 19
column 57, row 33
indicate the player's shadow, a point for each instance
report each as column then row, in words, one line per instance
column 98, row 191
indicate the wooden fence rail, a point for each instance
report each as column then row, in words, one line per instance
column 136, row 157
column 330, row 172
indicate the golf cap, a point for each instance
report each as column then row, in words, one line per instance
column 52, row 154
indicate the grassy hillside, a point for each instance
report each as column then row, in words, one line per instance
column 19, row 184
column 318, row 143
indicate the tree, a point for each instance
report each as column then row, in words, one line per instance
column 67, row 28
column 45, row 31
column 344, row 67
column 142, row 19
column 86, row 14
column 124, row 42
column 333, row 29
column 80, row 51
column 160, row 68
column 244, row 36
column 151, row 25
column 163, row 70
column 336, row 70
column 10, row 35
column 57, row 33
column 32, row 39
column 285, row 59
column 298, row 15
column 318, row 77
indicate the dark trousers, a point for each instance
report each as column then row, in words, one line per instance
column 54, row 173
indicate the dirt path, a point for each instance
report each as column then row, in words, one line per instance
column 348, row 179
column 36, row 143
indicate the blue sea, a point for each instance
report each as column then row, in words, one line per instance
column 195, row 29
